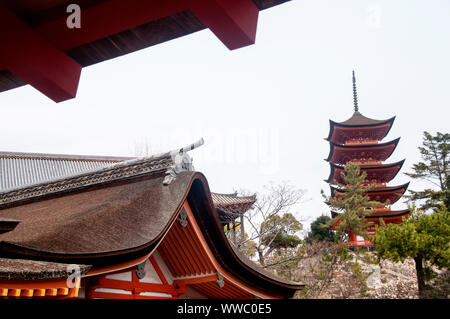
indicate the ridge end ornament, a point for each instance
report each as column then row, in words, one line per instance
column 181, row 161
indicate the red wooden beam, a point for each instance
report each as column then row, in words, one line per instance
column 232, row 21
column 106, row 18
column 32, row 58
column 36, row 55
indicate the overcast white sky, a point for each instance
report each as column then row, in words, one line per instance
column 263, row 110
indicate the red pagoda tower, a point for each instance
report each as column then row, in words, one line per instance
column 358, row 140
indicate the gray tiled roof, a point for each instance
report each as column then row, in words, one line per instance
column 22, row 169
column 221, row 200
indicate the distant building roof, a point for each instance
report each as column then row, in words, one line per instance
column 231, row 206
column 21, row 169
column 223, row 200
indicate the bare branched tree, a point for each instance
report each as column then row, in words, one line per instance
column 272, row 223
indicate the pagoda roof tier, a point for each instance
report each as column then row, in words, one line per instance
column 342, row 154
column 380, row 194
column 381, row 173
column 380, row 213
column 359, row 127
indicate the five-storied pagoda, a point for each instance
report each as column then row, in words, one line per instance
column 358, row 140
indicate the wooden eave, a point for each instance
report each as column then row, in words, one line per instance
column 343, row 148
column 390, row 191
column 380, row 213
column 334, row 168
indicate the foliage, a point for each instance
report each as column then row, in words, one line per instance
column 281, row 231
column 426, row 236
column 352, row 204
column 319, row 230
column 423, row 237
column 435, row 153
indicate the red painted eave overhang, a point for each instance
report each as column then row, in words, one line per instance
column 381, row 194
column 383, row 173
column 341, row 154
column 46, row 35
column 388, row 217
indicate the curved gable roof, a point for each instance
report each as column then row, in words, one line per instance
column 110, row 221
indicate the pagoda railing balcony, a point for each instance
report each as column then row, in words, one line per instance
column 360, row 142
column 369, row 184
column 384, row 208
column 363, row 162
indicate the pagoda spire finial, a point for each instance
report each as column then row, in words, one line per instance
column 355, row 97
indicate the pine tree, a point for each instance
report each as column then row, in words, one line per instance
column 434, row 168
column 425, row 238
column 280, row 232
column 319, row 230
column 353, row 204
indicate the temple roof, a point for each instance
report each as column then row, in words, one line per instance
column 341, row 154
column 18, row 169
column 383, row 173
column 115, row 214
column 25, row 269
column 96, row 223
column 80, row 177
